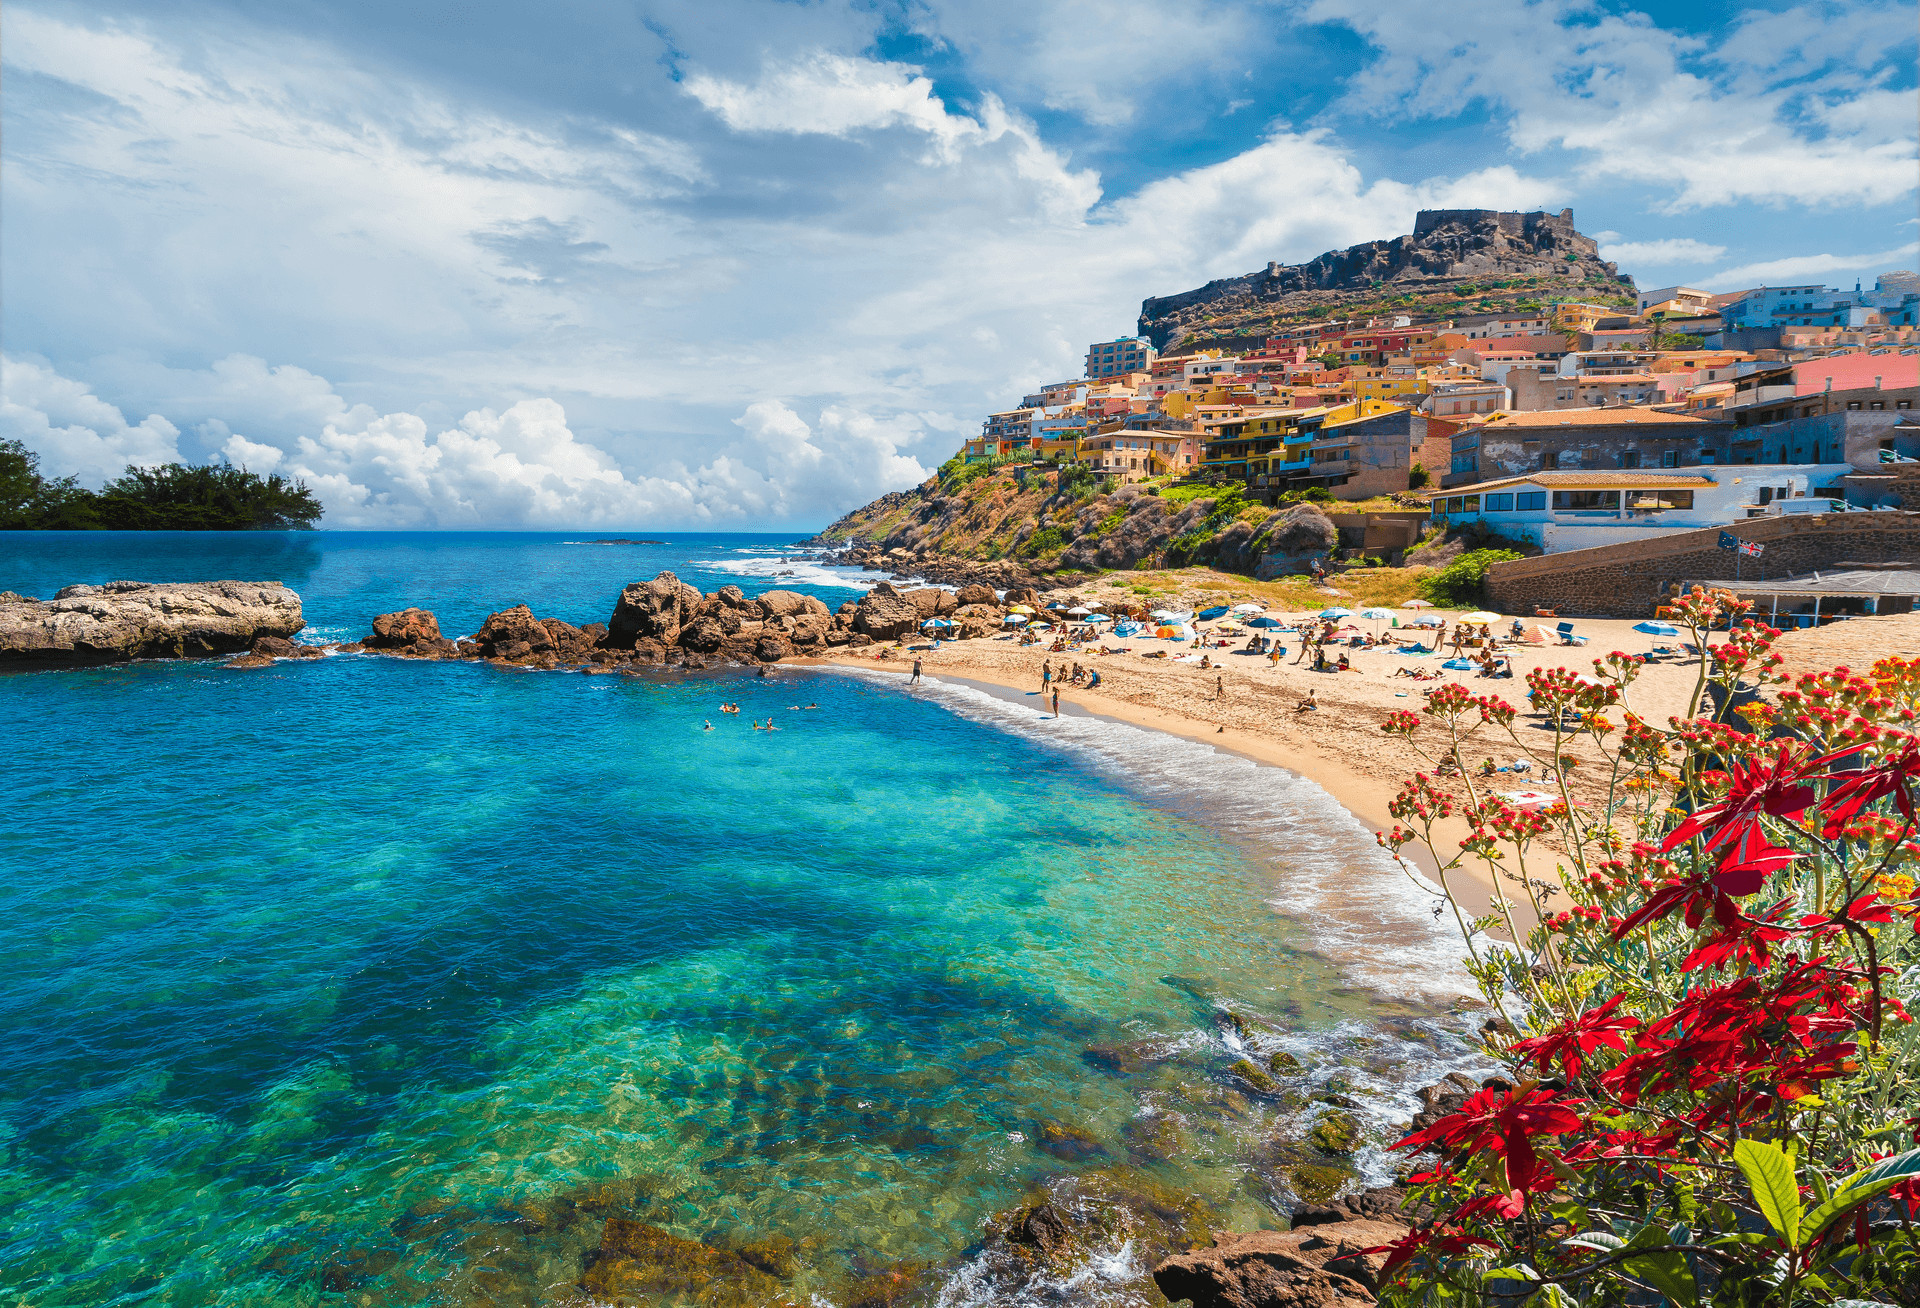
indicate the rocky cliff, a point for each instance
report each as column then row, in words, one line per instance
column 1471, row 259
column 125, row 620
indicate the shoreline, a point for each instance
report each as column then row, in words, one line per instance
column 1359, row 795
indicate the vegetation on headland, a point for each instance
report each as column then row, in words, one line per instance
column 1712, row 1077
column 173, row 497
column 1071, row 519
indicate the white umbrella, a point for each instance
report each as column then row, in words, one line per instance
column 1249, row 608
column 1416, row 604
column 1079, row 611
column 1429, row 620
column 1096, row 604
column 1014, row 619
column 1376, row 615
column 1481, row 615
column 1164, row 613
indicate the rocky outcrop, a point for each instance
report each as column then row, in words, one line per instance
column 1447, row 247
column 410, row 633
column 886, row 613
column 125, row 620
column 652, row 611
column 1315, row 1267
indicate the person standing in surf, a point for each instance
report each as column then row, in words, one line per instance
column 916, row 673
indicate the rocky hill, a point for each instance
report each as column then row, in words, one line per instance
column 1010, row 527
column 1456, row 261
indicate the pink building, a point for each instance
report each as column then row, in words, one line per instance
column 1857, row 372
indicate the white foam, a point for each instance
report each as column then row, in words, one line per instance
column 796, row 573
column 1362, row 910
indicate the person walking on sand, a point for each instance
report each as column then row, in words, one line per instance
column 1046, row 676
column 916, row 673
column 1056, row 701
column 1219, row 687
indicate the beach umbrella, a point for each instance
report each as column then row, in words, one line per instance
column 1416, row 604
column 1538, row 635
column 1249, row 608
column 1079, row 611
column 1656, row 628
column 1018, row 608
column 1099, row 617
column 1336, row 613
column 1163, row 613
column 1481, row 615
column 1429, row 620
column 1096, row 604
column 936, row 622
column 1014, row 619
column 1041, row 626
column 1173, row 631
column 1377, row 615
column 1266, row 622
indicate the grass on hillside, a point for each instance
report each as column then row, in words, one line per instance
column 1356, row 589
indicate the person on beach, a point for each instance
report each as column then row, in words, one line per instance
column 1273, row 656
column 916, row 673
column 1046, row 675
column 706, row 724
column 1344, row 665
column 1306, row 705
column 1056, row 701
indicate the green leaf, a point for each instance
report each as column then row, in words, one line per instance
column 1551, row 1296
column 1867, row 1184
column 1604, row 1240
column 1769, row 1172
column 1518, row 1272
column 1668, row 1273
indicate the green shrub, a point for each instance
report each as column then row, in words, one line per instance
column 1418, row 476
column 1048, row 540
column 1462, row 583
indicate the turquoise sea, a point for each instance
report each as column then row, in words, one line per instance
column 360, row 980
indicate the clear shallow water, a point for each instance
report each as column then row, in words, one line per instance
column 361, row 975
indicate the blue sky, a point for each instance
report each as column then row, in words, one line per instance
column 746, row 264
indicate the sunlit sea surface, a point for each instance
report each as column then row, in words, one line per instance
column 362, row 980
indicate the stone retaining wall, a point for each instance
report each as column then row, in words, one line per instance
column 1628, row 581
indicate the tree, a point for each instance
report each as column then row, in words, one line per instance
column 1418, row 476
column 175, row 497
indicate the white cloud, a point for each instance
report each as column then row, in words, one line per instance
column 1782, row 110
column 1776, row 271
column 830, row 95
column 521, row 466
column 75, row 433
column 1656, row 254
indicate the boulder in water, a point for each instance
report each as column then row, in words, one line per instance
column 125, row 620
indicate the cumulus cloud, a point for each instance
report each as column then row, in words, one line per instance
column 1791, row 107
column 1656, row 254
column 75, row 433
column 519, row 466
column 1775, row 271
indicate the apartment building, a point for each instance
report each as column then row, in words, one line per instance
column 1122, row 355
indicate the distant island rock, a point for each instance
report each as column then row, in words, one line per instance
column 126, row 620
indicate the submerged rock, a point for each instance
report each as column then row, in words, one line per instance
column 1065, row 1141
column 1283, row 1063
column 1335, row 1133
column 1255, row 1079
column 125, row 620
column 637, row 1264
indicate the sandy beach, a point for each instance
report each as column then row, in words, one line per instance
column 1248, row 706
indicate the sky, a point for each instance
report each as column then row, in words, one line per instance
column 745, row 265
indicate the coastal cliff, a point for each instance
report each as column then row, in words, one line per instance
column 1012, row 526
column 126, row 620
column 1454, row 261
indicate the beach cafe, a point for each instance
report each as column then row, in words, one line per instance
column 1821, row 597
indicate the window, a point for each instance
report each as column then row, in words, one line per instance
column 1706, row 456
column 1631, row 459
column 1877, row 404
column 1453, row 504
column 1853, row 404
column 1550, row 460
column 1530, row 501
column 1502, row 503
column 1584, row 500
column 1473, row 504
column 1670, row 459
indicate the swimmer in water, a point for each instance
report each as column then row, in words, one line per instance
column 706, row 725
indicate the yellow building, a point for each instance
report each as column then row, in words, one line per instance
column 1580, row 317
column 1387, row 388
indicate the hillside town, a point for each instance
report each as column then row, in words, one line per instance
column 1562, row 424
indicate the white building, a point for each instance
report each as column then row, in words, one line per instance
column 1578, row 510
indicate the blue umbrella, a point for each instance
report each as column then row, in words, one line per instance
column 1656, row 628
column 1265, row 622
column 936, row 622
column 1336, row 613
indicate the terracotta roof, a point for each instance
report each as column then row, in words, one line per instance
column 1600, row 417
column 1583, row 481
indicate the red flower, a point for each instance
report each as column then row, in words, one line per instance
column 1501, row 1121
column 1570, row 1044
column 1440, row 1242
column 1893, row 777
column 1754, row 790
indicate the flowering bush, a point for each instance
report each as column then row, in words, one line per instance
column 1713, row 1081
